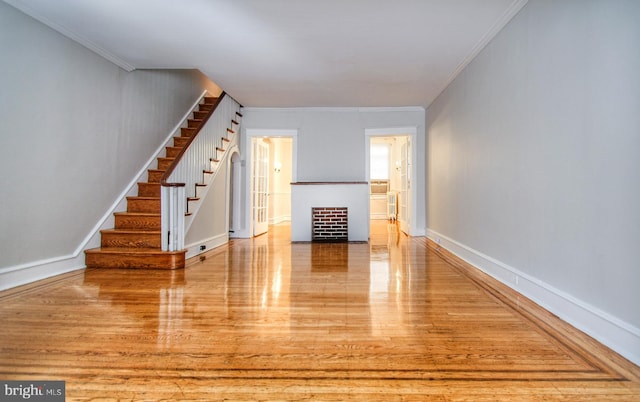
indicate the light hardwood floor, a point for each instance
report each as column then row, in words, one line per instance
column 264, row 319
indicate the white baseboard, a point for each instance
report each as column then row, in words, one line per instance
column 194, row 249
column 279, row 219
column 18, row 275
column 611, row 331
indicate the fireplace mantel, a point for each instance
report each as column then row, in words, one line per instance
column 353, row 195
column 325, row 183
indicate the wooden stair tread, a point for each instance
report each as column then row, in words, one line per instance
column 137, row 197
column 187, row 132
column 138, row 220
column 131, row 250
column 138, row 213
column 132, row 231
column 134, row 258
column 172, row 151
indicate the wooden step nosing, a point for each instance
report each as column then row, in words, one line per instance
column 143, row 214
column 139, row 251
column 131, row 231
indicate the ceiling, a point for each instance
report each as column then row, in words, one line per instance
column 291, row 53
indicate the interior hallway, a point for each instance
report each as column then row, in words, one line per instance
column 394, row 319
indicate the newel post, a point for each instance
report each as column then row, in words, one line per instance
column 173, row 201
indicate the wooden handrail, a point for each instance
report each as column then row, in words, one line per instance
column 167, row 173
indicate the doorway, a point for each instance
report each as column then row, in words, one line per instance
column 271, row 174
column 260, row 185
column 389, row 173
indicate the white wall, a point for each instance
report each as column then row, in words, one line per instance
column 281, row 151
column 75, row 130
column 534, row 154
column 331, row 143
column 211, row 225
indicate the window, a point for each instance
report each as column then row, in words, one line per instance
column 379, row 162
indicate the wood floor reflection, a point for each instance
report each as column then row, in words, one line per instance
column 265, row 319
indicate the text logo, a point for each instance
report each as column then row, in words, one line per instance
column 42, row 391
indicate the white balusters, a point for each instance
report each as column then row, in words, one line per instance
column 196, row 160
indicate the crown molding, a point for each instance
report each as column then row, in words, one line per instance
column 349, row 109
column 71, row 35
column 504, row 19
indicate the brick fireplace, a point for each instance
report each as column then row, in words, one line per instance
column 330, row 224
column 350, row 198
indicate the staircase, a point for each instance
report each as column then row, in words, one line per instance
column 135, row 242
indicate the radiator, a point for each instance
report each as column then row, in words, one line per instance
column 392, row 205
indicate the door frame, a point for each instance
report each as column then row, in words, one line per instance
column 412, row 133
column 260, row 152
column 250, row 134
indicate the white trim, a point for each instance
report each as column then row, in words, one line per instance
column 193, row 249
column 36, row 270
column 392, row 131
column 279, row 219
column 407, row 131
column 22, row 274
column 338, row 109
column 613, row 332
column 249, row 134
column 234, row 204
column 271, row 132
column 72, row 35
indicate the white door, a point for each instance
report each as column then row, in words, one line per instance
column 260, row 186
column 404, row 198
